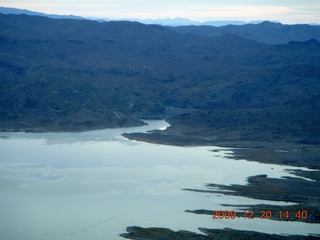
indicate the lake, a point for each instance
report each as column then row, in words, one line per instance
column 92, row 185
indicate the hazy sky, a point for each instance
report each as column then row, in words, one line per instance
column 285, row 11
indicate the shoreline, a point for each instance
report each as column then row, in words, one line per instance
column 262, row 152
column 291, row 153
column 139, row 233
column 285, row 152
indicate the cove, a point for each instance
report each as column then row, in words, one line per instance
column 92, row 185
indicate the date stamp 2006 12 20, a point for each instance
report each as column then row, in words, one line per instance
column 264, row 214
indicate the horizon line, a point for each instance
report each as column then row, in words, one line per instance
column 143, row 20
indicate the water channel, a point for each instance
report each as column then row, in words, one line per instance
column 92, row 185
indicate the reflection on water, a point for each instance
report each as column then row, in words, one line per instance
column 85, row 136
column 92, row 185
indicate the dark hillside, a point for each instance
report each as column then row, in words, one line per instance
column 77, row 74
column 291, row 121
column 265, row 32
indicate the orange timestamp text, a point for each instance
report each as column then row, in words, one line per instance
column 262, row 214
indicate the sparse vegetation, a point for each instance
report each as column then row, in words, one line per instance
column 78, row 75
column 72, row 75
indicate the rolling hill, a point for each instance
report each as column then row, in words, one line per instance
column 265, row 32
column 67, row 75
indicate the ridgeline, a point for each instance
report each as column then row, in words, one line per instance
column 73, row 75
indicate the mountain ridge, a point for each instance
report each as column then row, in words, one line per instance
column 265, row 32
column 172, row 22
column 17, row 11
column 65, row 74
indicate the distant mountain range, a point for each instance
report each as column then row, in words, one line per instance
column 261, row 31
column 186, row 22
column 67, row 74
column 164, row 22
column 5, row 10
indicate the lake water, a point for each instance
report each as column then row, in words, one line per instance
column 92, row 185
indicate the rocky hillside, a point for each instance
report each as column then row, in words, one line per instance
column 64, row 74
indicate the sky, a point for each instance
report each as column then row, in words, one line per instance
column 284, row 11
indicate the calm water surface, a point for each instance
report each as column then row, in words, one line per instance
column 92, row 185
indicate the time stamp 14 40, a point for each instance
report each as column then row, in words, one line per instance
column 262, row 214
